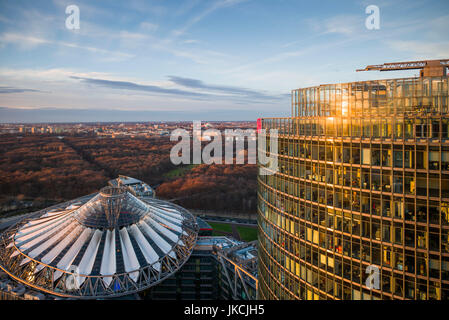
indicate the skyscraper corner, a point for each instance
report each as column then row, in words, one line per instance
column 359, row 208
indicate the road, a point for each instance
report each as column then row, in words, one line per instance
column 227, row 220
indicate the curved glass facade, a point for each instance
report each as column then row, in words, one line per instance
column 362, row 185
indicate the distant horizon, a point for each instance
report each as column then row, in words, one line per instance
column 125, row 122
column 71, row 116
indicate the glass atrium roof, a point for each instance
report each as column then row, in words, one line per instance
column 112, row 244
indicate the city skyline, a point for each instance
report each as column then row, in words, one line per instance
column 214, row 60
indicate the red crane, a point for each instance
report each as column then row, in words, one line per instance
column 429, row 68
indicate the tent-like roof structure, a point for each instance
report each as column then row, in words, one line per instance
column 110, row 244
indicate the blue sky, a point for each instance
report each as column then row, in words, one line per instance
column 199, row 59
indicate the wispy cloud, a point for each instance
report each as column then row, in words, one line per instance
column 191, row 41
column 22, row 40
column 110, row 43
column 422, row 49
column 4, row 19
column 55, row 75
column 221, row 89
column 286, row 55
column 186, row 7
column 126, row 85
column 148, row 26
column 198, row 89
column 340, row 24
column 203, row 14
column 16, row 90
column 26, row 41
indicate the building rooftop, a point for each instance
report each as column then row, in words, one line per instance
column 239, row 253
column 221, row 242
column 243, row 255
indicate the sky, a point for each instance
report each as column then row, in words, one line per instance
column 157, row 60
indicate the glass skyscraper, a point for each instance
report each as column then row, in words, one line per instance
column 362, row 185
